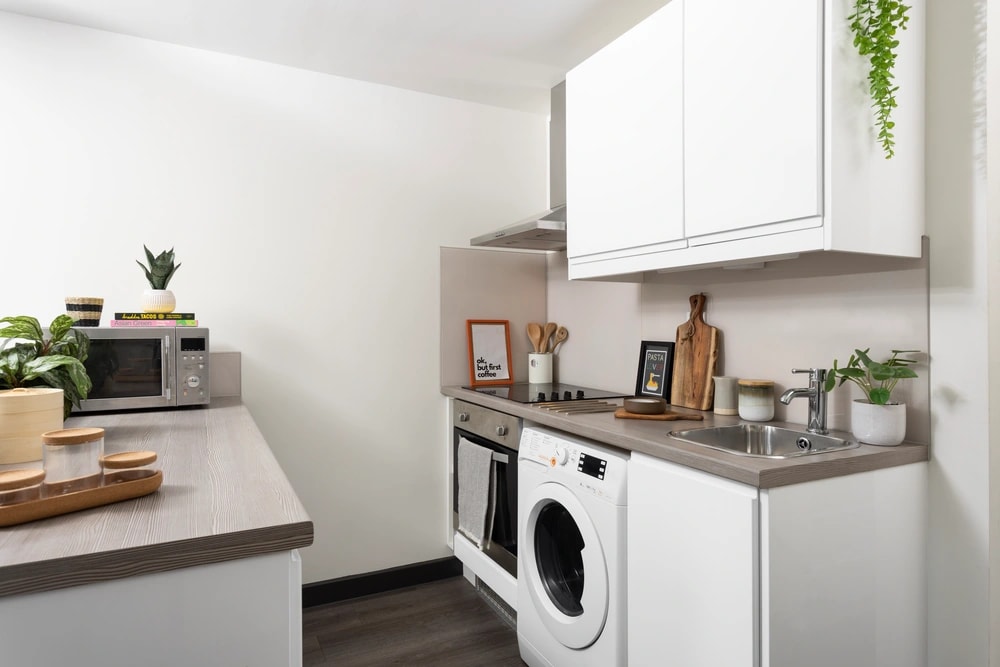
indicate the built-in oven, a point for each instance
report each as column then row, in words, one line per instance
column 496, row 562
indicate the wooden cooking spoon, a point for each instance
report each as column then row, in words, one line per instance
column 550, row 328
column 535, row 335
column 562, row 333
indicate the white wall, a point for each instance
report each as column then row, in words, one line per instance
column 960, row 289
column 770, row 321
column 307, row 212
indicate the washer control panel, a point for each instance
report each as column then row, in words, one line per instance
column 585, row 465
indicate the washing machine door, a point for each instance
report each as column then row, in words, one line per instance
column 564, row 566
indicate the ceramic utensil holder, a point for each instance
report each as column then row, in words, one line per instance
column 72, row 460
column 726, row 395
column 540, row 368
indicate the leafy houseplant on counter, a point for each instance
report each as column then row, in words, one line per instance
column 875, row 419
column 158, row 299
column 28, row 359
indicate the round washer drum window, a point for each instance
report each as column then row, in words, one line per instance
column 559, row 557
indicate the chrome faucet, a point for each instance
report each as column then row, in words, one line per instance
column 816, row 393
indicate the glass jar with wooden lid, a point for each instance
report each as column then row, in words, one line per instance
column 72, row 460
column 127, row 466
column 20, row 485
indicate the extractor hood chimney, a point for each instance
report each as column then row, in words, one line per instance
column 547, row 229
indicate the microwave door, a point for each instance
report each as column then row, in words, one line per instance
column 129, row 370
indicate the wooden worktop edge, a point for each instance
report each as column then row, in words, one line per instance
column 59, row 573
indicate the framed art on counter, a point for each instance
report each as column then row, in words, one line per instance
column 489, row 352
column 656, row 365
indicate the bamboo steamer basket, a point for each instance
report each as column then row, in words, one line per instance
column 26, row 413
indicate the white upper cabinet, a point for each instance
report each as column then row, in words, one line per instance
column 624, row 148
column 723, row 132
column 753, row 90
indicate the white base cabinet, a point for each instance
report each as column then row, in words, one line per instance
column 761, row 145
column 245, row 612
column 826, row 573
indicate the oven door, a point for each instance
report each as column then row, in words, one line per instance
column 129, row 369
column 500, row 544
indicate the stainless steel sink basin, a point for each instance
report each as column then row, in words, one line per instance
column 773, row 442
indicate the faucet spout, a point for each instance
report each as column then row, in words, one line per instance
column 816, row 393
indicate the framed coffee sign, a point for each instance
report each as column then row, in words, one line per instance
column 489, row 352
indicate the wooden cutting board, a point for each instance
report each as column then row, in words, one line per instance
column 696, row 352
column 622, row 413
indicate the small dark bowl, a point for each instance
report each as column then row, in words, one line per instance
column 645, row 405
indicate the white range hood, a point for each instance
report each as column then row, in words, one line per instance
column 547, row 229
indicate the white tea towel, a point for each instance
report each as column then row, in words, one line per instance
column 475, row 464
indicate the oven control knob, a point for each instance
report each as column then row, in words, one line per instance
column 555, row 396
column 558, row 457
column 579, row 393
column 567, row 395
column 541, row 396
column 501, row 430
column 193, row 381
column 463, row 416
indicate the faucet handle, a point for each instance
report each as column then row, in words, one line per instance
column 815, row 374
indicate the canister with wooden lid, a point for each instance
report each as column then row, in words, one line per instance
column 756, row 400
column 26, row 413
column 18, row 486
column 127, row 466
column 72, row 460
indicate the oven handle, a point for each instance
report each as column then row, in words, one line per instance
column 500, row 458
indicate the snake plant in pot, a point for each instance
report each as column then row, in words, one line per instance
column 29, row 359
column 875, row 419
column 158, row 299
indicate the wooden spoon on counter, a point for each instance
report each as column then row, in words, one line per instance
column 535, row 335
column 562, row 333
column 550, row 328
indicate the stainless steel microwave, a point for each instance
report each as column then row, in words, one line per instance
column 147, row 367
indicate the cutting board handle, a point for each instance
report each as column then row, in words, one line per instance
column 697, row 313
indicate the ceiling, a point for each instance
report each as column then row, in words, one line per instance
column 505, row 53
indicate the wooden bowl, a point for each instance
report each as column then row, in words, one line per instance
column 645, row 405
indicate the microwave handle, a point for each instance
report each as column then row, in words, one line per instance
column 167, row 365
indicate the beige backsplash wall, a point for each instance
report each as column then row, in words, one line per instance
column 771, row 321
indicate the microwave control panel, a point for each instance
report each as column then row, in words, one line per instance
column 192, row 367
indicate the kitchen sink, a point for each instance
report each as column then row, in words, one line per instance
column 773, row 442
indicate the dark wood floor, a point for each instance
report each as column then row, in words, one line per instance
column 444, row 623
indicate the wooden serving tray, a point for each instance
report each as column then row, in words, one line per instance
column 31, row 510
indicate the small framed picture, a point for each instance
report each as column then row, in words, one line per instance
column 489, row 352
column 656, row 368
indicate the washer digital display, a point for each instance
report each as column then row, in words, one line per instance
column 591, row 465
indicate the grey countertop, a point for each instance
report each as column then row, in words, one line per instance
column 651, row 437
column 223, row 497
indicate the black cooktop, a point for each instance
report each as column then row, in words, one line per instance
column 523, row 392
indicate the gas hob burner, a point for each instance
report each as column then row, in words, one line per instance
column 524, row 392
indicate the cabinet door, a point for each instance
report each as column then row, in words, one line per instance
column 624, row 154
column 752, row 114
column 692, row 567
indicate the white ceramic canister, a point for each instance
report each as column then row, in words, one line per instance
column 756, row 400
column 539, row 368
column 26, row 413
column 726, row 395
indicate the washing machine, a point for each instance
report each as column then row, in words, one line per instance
column 571, row 566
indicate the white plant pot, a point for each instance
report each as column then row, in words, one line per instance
column 158, row 301
column 878, row 424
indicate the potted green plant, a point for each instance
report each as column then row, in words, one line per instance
column 158, row 299
column 875, row 419
column 29, row 359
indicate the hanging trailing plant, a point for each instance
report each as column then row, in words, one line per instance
column 874, row 24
